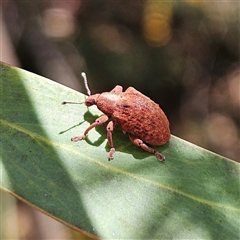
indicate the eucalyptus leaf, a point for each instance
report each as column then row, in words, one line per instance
column 194, row 194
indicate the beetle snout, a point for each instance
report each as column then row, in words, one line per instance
column 90, row 102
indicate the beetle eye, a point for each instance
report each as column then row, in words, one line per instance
column 90, row 101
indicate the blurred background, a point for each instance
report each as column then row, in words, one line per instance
column 184, row 55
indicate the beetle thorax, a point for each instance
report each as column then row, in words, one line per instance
column 106, row 102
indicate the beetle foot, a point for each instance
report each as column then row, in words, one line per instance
column 78, row 138
column 159, row 156
column 111, row 153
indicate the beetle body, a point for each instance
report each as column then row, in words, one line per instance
column 136, row 114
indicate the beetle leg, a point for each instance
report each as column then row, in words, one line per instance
column 140, row 143
column 97, row 122
column 110, row 128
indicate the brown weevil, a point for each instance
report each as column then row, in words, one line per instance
column 136, row 114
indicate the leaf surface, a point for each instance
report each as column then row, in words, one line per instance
column 194, row 194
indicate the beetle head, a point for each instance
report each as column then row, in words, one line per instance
column 91, row 100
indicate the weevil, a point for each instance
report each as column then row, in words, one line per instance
column 135, row 113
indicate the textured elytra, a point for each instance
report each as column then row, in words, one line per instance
column 137, row 114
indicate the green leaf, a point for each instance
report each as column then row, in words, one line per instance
column 194, row 194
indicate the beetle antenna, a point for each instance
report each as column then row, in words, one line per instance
column 86, row 83
column 87, row 88
column 63, row 103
